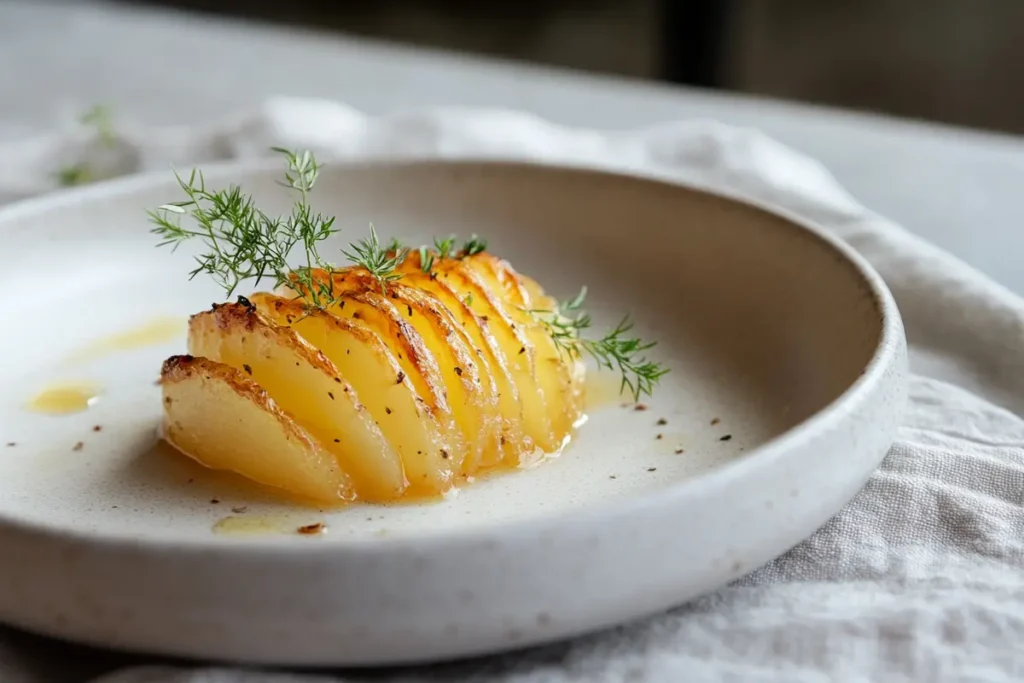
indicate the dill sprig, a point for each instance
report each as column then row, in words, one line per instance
column 473, row 246
column 379, row 261
column 616, row 350
column 242, row 242
column 426, row 259
column 445, row 246
column 99, row 118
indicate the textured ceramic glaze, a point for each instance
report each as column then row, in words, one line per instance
column 788, row 361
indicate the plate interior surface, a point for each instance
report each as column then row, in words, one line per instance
column 762, row 324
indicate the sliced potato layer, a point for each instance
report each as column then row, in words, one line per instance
column 307, row 386
column 223, row 420
column 398, row 388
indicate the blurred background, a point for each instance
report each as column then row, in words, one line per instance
column 952, row 61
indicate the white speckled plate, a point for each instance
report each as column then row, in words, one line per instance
column 788, row 362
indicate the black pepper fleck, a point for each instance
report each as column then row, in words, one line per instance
column 660, row 437
column 522, row 350
column 331, row 394
column 78, row 446
column 679, row 450
column 247, row 368
column 400, row 378
column 338, row 380
column 337, row 441
column 11, row 444
column 214, row 501
column 725, row 438
column 661, row 421
column 387, row 410
column 652, row 469
column 458, row 371
column 715, row 421
column 444, row 454
column 409, row 309
column 640, row 406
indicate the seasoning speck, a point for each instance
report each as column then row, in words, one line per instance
column 400, row 378
column 78, row 446
column 387, row 410
column 331, row 394
column 239, row 509
column 522, row 349
column 444, row 454
column 659, row 437
column 679, row 450
column 214, row 501
column 11, row 444
column 640, row 406
column 458, row 371
column 612, row 476
column 312, row 529
column 247, row 368
column 337, row 441
column 652, row 469
column 661, row 422
column 190, row 480
column 715, row 421
column 725, row 438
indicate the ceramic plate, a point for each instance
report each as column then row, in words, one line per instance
column 787, row 360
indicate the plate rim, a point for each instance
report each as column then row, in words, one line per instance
column 889, row 351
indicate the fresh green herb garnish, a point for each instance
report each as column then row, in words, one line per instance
column 473, row 246
column 81, row 173
column 243, row 243
column 614, row 351
column 99, row 117
column 426, row 259
column 445, row 247
column 370, row 255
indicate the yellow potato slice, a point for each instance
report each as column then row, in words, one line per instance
column 507, row 324
column 427, row 451
column 513, row 440
column 222, row 419
column 561, row 372
column 307, row 386
column 470, row 390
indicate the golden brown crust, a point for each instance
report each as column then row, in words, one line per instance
column 184, row 368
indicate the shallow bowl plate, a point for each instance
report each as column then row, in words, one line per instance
column 787, row 358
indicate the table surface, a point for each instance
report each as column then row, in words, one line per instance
column 956, row 187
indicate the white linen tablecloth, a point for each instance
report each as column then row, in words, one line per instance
column 920, row 578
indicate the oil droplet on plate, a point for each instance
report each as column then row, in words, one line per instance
column 64, row 399
column 240, row 525
column 156, row 331
column 256, row 525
